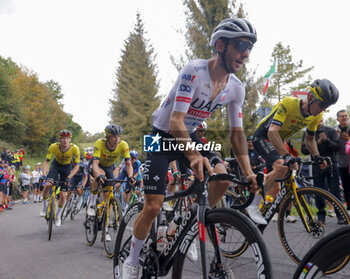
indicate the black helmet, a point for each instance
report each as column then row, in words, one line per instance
column 250, row 138
column 325, row 91
column 113, row 130
column 233, row 28
column 65, row 133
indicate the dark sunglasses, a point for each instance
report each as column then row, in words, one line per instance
column 322, row 105
column 201, row 130
column 242, row 46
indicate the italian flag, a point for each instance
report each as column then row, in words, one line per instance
column 268, row 75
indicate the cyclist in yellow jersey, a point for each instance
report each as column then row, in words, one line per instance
column 106, row 153
column 65, row 152
column 286, row 118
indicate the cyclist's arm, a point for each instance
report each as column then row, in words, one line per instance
column 311, row 144
column 276, row 140
column 45, row 167
column 179, row 130
column 96, row 169
column 129, row 168
column 74, row 171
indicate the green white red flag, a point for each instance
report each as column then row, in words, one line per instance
column 268, row 75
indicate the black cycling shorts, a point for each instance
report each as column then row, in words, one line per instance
column 36, row 185
column 76, row 182
column 156, row 165
column 267, row 151
column 62, row 171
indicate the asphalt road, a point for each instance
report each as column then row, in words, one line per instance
column 25, row 252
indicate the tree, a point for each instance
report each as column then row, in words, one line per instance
column 55, row 89
column 11, row 114
column 135, row 97
column 287, row 74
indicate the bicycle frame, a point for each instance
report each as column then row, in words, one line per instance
column 52, row 196
column 181, row 240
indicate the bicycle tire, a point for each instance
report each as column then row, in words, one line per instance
column 112, row 226
column 122, row 243
column 91, row 229
column 296, row 248
column 260, row 258
column 325, row 253
column 51, row 216
column 74, row 211
column 66, row 208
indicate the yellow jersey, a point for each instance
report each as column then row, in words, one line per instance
column 289, row 116
column 109, row 157
column 64, row 158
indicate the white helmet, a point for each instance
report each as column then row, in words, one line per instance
column 233, row 28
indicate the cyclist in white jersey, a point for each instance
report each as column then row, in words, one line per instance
column 201, row 87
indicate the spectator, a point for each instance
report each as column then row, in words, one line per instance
column 3, row 189
column 4, row 156
column 16, row 159
column 343, row 160
column 21, row 152
column 24, row 179
column 328, row 144
column 347, row 149
column 37, row 173
column 11, row 182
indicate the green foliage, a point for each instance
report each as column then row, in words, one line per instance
column 287, row 74
column 30, row 115
column 135, row 98
column 11, row 114
column 55, row 89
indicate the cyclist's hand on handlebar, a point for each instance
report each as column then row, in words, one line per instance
column 67, row 181
column 100, row 179
column 290, row 161
column 132, row 180
column 197, row 164
column 321, row 161
column 254, row 186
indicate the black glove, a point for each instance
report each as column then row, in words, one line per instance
column 67, row 181
column 318, row 159
column 289, row 160
column 100, row 178
column 131, row 180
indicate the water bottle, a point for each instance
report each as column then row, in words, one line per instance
column 172, row 227
column 161, row 236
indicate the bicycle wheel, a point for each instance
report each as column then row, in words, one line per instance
column 325, row 254
column 296, row 240
column 111, row 226
column 91, row 229
column 51, row 216
column 74, row 210
column 67, row 208
column 256, row 263
column 122, row 244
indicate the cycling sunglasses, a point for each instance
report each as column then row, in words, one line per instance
column 322, row 104
column 242, row 46
column 201, row 130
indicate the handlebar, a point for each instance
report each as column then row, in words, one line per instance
column 215, row 177
column 307, row 162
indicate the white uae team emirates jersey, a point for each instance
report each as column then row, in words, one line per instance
column 192, row 93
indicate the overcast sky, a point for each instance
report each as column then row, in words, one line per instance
column 78, row 43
